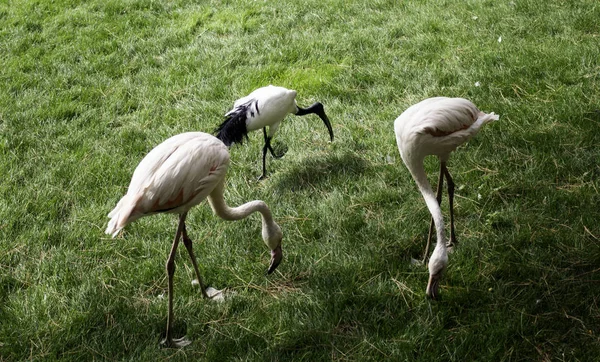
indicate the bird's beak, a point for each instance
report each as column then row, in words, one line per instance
column 433, row 286
column 276, row 256
column 318, row 109
column 325, row 119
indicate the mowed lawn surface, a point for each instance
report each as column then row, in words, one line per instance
column 87, row 88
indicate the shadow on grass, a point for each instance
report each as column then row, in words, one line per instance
column 338, row 317
column 312, row 171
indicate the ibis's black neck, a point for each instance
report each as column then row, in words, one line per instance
column 316, row 108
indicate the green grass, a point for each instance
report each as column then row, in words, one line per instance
column 89, row 87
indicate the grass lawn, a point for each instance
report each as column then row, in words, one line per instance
column 87, row 88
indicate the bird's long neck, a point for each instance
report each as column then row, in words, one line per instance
column 418, row 172
column 221, row 209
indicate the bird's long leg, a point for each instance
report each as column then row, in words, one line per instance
column 268, row 147
column 438, row 197
column 453, row 241
column 265, row 148
column 268, row 144
column 169, row 341
column 188, row 245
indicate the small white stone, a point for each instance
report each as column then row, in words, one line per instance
column 195, row 282
column 475, row 17
column 500, row 40
column 477, row 84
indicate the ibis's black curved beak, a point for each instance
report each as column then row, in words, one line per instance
column 318, row 109
column 323, row 116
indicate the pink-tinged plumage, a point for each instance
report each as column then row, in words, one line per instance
column 437, row 126
column 175, row 176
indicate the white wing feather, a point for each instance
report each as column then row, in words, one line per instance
column 438, row 125
column 176, row 175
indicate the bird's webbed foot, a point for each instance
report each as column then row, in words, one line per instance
column 216, row 294
column 195, row 282
column 175, row 342
column 451, row 244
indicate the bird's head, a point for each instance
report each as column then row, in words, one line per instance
column 272, row 236
column 437, row 265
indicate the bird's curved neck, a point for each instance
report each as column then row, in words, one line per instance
column 418, row 172
column 217, row 203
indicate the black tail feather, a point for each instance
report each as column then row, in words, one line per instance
column 233, row 129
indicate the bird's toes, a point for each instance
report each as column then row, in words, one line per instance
column 415, row 262
column 175, row 342
column 195, row 283
column 216, row 294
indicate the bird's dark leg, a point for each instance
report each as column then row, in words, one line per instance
column 188, row 245
column 268, row 147
column 268, row 144
column 438, row 197
column 265, row 148
column 169, row 341
column 453, row 241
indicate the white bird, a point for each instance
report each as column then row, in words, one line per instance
column 175, row 176
column 436, row 126
column 264, row 107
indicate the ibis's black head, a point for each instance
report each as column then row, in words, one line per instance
column 318, row 109
column 233, row 129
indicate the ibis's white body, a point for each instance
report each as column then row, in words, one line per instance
column 264, row 108
column 268, row 107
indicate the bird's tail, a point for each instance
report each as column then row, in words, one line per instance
column 120, row 215
column 234, row 129
column 484, row 118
